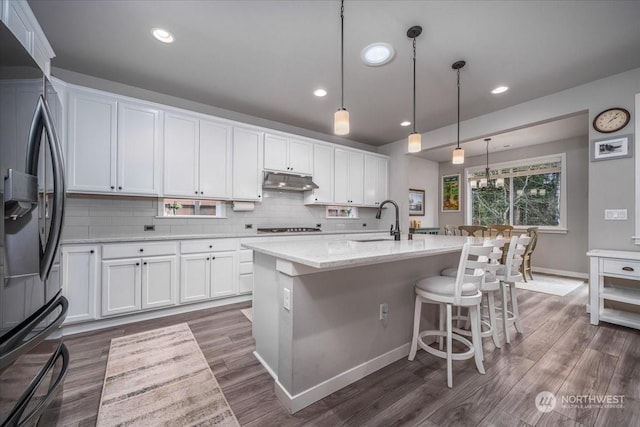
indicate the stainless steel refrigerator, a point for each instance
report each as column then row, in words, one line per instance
column 33, row 358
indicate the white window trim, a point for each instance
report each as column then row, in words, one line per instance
column 636, row 238
column 560, row 228
column 221, row 210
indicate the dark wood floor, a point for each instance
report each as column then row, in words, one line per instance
column 559, row 352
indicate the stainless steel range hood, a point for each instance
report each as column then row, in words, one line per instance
column 289, row 182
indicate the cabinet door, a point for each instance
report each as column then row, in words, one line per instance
column 159, row 281
column 341, row 173
column 138, row 149
column 180, row 156
column 121, row 284
column 370, row 180
column 80, row 281
column 215, row 160
column 247, row 164
column 195, row 277
column 224, row 274
column 91, row 153
column 245, row 285
column 300, row 157
column 323, row 173
column 356, row 178
column 276, row 153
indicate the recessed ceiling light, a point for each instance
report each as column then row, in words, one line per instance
column 377, row 54
column 500, row 89
column 320, row 92
column 405, row 123
column 162, row 35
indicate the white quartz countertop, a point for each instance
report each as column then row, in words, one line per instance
column 249, row 233
column 349, row 252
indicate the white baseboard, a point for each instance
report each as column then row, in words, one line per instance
column 266, row 366
column 94, row 325
column 564, row 273
column 325, row 388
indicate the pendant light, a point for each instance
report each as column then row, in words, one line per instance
column 458, row 153
column 486, row 183
column 341, row 117
column 415, row 139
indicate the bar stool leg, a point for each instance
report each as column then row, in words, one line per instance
column 416, row 328
column 449, row 349
column 493, row 320
column 505, row 312
column 441, row 326
column 514, row 304
column 475, row 336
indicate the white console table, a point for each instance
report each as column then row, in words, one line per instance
column 614, row 264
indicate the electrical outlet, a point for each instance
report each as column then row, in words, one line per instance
column 384, row 311
column 286, row 299
column 364, row 224
column 247, row 226
column 615, row 214
column 149, row 228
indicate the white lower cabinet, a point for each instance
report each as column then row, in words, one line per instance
column 209, row 275
column 159, row 281
column 121, row 286
column 80, row 281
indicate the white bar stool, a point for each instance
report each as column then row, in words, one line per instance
column 508, row 275
column 461, row 291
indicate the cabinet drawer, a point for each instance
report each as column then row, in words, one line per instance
column 246, row 255
column 621, row 268
column 246, row 268
column 217, row 245
column 132, row 250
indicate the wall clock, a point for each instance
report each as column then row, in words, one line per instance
column 611, row 120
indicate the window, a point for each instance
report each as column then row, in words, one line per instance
column 190, row 208
column 524, row 193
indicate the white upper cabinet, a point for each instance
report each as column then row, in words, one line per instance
column 114, row 147
column 322, row 176
column 288, row 155
column 91, row 153
column 197, row 157
column 376, row 178
column 349, row 177
column 139, row 149
column 247, row 164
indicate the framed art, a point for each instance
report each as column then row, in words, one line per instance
column 612, row 148
column 451, row 193
column 416, row 202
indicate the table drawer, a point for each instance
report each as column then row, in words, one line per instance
column 132, row 250
column 621, row 268
column 211, row 245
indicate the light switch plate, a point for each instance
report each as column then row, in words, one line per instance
column 615, row 214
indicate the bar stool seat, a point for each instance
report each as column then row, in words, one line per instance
column 461, row 291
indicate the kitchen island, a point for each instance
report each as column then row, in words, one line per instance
column 318, row 317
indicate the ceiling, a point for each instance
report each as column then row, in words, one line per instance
column 265, row 58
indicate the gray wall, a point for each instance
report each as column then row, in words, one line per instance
column 573, row 245
column 108, row 216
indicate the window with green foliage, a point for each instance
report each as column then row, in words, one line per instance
column 525, row 193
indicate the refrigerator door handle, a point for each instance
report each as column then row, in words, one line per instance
column 16, row 416
column 43, row 121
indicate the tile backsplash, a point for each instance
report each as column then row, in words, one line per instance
column 89, row 216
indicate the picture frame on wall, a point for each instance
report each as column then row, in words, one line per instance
column 450, row 200
column 416, row 202
column 612, row 148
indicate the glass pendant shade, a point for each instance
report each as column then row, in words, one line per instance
column 458, row 156
column 500, row 182
column 415, row 142
column 473, row 184
column 341, row 122
column 483, row 183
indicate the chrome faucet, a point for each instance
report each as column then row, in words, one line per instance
column 395, row 233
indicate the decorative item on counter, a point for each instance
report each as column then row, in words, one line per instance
column 174, row 207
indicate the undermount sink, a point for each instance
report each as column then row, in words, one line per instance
column 371, row 240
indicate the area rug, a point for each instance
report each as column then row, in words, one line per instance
column 161, row 377
column 248, row 313
column 553, row 285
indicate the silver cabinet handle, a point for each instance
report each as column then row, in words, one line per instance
column 42, row 121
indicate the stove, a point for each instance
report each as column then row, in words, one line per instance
column 288, row 230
